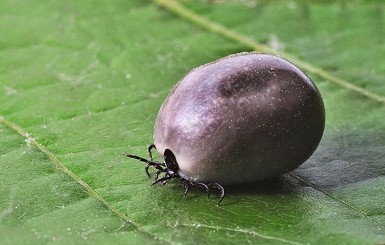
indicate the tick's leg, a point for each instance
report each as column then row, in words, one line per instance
column 146, row 170
column 186, row 184
column 163, row 180
column 186, row 188
column 160, row 170
column 152, row 146
column 219, row 187
column 157, row 174
column 159, row 166
column 204, row 186
column 138, row 158
column 149, row 163
column 156, row 165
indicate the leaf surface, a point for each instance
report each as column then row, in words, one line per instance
column 81, row 83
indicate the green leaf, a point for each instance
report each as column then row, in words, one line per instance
column 81, row 83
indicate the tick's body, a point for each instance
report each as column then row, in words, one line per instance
column 240, row 119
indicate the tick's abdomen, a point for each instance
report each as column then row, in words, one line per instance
column 243, row 118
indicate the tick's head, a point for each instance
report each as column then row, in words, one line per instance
column 171, row 163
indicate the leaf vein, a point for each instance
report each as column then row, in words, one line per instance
column 31, row 141
column 245, row 231
column 178, row 9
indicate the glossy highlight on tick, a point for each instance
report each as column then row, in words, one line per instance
column 240, row 119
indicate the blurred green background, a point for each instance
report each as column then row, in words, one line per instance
column 81, row 83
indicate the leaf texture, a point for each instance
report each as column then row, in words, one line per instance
column 81, row 83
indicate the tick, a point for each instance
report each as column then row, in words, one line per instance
column 240, row 119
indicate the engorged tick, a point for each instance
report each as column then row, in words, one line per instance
column 240, row 119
